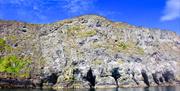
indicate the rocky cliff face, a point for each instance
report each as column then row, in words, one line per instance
column 91, row 51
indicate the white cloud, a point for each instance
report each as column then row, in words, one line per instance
column 29, row 10
column 172, row 10
column 43, row 10
column 78, row 6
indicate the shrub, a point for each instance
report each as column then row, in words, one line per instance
column 13, row 64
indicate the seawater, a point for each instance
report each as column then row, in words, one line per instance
column 175, row 88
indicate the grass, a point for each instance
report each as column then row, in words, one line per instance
column 3, row 46
column 140, row 50
column 78, row 31
column 113, row 46
column 97, row 62
column 13, row 64
column 125, row 47
column 73, row 30
column 120, row 62
column 121, row 46
column 121, row 25
column 86, row 33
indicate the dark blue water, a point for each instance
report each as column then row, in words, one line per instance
column 177, row 88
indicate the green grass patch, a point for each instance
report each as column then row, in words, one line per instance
column 121, row 46
column 13, row 64
column 86, row 33
column 125, row 47
column 79, row 31
column 97, row 62
column 73, row 30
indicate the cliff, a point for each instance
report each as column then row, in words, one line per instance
column 88, row 51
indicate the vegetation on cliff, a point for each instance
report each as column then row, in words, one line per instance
column 11, row 63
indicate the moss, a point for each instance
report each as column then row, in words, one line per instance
column 120, row 62
column 140, row 50
column 80, row 54
column 73, row 30
column 114, row 47
column 86, row 33
column 97, row 62
column 121, row 46
column 121, row 25
column 13, row 38
column 76, row 85
column 2, row 41
column 13, row 64
column 97, row 44
column 68, row 74
column 78, row 31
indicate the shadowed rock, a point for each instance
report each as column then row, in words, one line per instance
column 36, row 83
column 76, row 74
column 161, row 79
column 145, row 76
column 156, row 80
column 168, row 76
column 135, row 80
column 16, row 83
column 52, row 78
column 116, row 75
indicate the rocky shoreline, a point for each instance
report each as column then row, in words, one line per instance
column 51, row 82
column 14, row 83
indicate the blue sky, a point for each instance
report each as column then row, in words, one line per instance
column 163, row 14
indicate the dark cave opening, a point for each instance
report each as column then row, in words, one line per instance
column 52, row 78
column 116, row 75
column 91, row 78
column 145, row 76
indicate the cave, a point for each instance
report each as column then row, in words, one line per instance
column 52, row 78
column 116, row 75
column 91, row 78
column 145, row 76
column 161, row 79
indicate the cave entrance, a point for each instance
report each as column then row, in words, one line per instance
column 91, row 78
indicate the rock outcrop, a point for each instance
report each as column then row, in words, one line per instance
column 88, row 51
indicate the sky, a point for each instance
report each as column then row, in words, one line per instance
column 163, row 14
